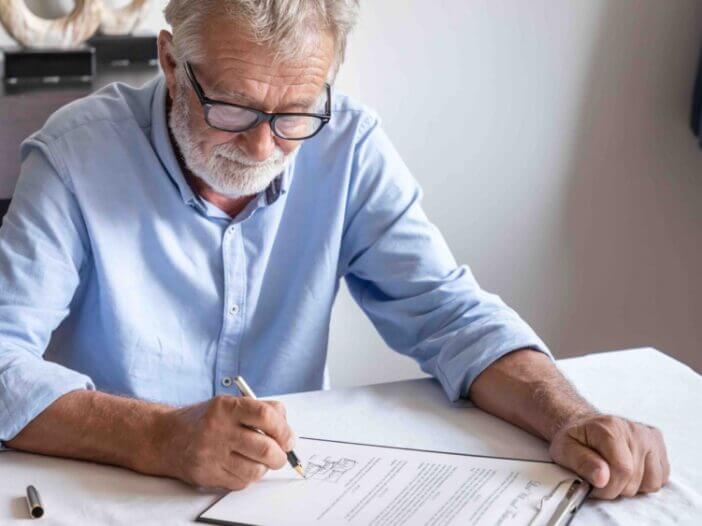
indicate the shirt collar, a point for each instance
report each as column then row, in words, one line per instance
column 161, row 140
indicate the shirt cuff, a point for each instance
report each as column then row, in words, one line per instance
column 459, row 370
column 28, row 387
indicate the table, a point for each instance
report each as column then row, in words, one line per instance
column 642, row 384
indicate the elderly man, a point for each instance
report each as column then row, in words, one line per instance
column 163, row 239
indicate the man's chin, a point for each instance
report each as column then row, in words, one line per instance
column 240, row 188
column 232, row 178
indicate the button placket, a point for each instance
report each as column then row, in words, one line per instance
column 232, row 322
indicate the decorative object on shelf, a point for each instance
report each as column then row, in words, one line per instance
column 122, row 20
column 68, row 31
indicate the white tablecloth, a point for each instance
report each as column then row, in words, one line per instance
column 641, row 384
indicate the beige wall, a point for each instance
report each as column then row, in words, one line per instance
column 551, row 140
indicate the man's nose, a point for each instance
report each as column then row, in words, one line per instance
column 258, row 143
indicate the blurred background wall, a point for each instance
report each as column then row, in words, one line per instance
column 552, row 142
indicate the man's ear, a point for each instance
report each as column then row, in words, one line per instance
column 167, row 60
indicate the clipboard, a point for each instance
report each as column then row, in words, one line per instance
column 577, row 493
column 549, row 511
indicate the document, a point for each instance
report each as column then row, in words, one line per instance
column 361, row 484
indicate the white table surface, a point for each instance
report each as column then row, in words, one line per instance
column 641, row 384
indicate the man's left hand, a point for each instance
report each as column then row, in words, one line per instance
column 617, row 456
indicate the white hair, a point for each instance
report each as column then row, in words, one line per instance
column 285, row 25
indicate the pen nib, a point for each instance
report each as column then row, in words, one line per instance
column 301, row 471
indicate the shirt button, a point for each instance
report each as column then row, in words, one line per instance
column 227, row 381
column 234, row 310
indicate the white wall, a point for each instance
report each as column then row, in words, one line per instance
column 551, row 140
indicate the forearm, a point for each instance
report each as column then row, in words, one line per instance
column 525, row 388
column 95, row 426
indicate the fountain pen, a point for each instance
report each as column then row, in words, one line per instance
column 246, row 391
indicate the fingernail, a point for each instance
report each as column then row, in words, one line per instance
column 597, row 477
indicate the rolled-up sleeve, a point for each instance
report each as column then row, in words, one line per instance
column 401, row 272
column 43, row 247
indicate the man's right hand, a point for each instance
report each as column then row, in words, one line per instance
column 209, row 444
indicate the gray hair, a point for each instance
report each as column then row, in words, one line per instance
column 285, row 25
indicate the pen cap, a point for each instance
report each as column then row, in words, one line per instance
column 36, row 510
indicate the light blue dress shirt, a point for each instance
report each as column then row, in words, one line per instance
column 115, row 276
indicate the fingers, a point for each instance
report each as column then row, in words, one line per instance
column 259, row 448
column 245, row 469
column 652, row 476
column 278, row 406
column 569, row 452
column 269, row 417
column 659, row 445
column 237, row 473
column 222, row 477
column 220, row 451
column 633, row 485
column 618, row 457
column 609, row 437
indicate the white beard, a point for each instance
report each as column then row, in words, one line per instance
column 227, row 170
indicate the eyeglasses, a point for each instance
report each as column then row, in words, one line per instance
column 236, row 118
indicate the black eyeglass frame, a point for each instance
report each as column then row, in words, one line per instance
column 261, row 116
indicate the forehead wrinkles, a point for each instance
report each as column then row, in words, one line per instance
column 224, row 34
column 231, row 68
column 269, row 90
column 233, row 52
column 269, row 87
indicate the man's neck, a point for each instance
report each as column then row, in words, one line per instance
column 231, row 205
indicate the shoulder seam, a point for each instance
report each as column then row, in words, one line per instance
column 50, row 140
column 53, row 137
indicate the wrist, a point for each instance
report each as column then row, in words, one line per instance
column 153, row 457
column 569, row 419
column 558, row 405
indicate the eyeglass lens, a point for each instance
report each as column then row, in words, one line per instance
column 240, row 119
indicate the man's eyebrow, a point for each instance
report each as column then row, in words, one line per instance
column 246, row 100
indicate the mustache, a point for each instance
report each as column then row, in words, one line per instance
column 232, row 153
